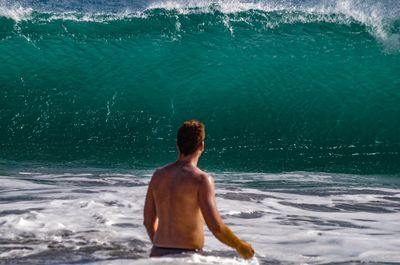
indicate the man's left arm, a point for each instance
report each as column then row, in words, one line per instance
column 150, row 219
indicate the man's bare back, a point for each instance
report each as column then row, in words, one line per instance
column 179, row 200
column 180, row 222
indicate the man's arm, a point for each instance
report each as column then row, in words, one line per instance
column 150, row 219
column 214, row 222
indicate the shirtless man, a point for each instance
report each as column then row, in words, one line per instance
column 180, row 197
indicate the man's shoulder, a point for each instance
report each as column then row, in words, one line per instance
column 194, row 173
column 203, row 176
column 158, row 172
column 162, row 169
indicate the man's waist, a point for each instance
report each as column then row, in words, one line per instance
column 176, row 248
column 157, row 251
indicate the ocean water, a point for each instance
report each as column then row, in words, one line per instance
column 280, row 85
column 94, row 216
column 300, row 101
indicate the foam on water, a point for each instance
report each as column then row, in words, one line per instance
column 97, row 217
column 377, row 16
column 14, row 11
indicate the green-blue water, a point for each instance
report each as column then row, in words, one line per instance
column 278, row 90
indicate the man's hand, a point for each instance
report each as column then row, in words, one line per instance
column 245, row 250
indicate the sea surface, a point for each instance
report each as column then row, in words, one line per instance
column 300, row 99
column 94, row 216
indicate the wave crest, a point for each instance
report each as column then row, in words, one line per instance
column 379, row 19
column 15, row 12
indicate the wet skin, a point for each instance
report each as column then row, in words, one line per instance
column 180, row 199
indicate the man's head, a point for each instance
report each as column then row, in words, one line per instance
column 190, row 137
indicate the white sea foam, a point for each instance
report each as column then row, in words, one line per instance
column 100, row 214
column 14, row 11
column 376, row 16
column 194, row 259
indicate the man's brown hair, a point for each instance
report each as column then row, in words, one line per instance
column 190, row 136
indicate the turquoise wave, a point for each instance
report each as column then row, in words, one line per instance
column 278, row 91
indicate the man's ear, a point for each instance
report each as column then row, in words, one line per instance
column 202, row 146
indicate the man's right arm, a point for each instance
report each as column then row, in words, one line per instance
column 150, row 219
column 214, row 222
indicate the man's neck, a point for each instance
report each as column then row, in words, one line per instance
column 190, row 159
